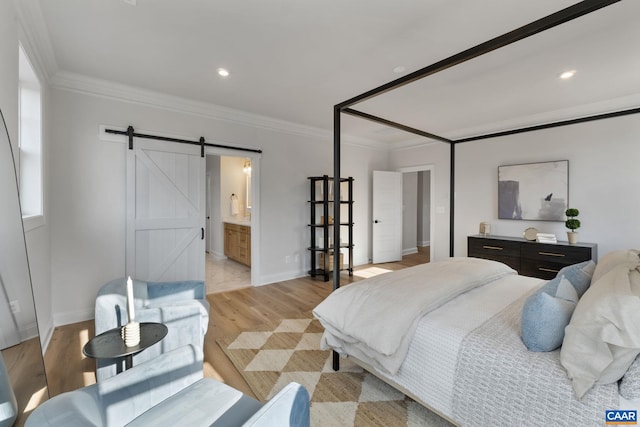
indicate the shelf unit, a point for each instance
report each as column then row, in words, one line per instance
column 321, row 211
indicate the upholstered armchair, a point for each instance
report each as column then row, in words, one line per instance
column 8, row 404
column 170, row 391
column 181, row 306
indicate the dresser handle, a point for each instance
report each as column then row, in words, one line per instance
column 551, row 270
column 550, row 254
column 495, row 248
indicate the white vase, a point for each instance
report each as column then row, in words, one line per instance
column 572, row 237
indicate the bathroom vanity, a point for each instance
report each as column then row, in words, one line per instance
column 237, row 241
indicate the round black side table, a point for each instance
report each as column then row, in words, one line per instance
column 110, row 345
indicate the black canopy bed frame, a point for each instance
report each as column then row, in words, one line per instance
column 553, row 20
column 565, row 15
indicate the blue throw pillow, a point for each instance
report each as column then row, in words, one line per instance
column 546, row 313
column 579, row 275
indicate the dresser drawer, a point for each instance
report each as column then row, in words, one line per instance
column 492, row 246
column 542, row 269
column 544, row 260
column 556, row 254
column 503, row 251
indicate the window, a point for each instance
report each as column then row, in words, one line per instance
column 30, row 142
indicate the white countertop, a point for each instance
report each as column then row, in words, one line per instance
column 238, row 221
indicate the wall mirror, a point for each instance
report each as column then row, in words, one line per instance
column 247, row 172
column 19, row 338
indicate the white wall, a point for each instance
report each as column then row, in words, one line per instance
column 424, row 208
column 603, row 181
column 88, row 225
column 9, row 69
column 359, row 164
column 409, row 212
column 216, row 232
column 37, row 239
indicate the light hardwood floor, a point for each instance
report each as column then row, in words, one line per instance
column 230, row 313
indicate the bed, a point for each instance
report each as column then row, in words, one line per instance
column 449, row 334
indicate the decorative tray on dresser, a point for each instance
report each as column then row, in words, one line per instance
column 530, row 258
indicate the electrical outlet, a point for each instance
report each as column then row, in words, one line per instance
column 296, row 258
column 15, row 306
column 287, row 259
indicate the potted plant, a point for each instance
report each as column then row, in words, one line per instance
column 572, row 223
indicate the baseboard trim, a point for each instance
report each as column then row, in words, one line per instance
column 409, row 251
column 76, row 316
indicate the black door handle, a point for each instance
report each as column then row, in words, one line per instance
column 202, row 237
column 376, row 221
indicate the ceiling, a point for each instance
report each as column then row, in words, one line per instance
column 294, row 60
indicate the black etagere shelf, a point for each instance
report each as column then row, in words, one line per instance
column 322, row 223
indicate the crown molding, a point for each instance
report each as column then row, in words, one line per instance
column 78, row 83
column 34, row 37
column 602, row 107
column 414, row 143
column 579, row 111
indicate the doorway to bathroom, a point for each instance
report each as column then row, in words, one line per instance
column 232, row 197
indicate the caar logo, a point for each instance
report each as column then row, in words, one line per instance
column 618, row 417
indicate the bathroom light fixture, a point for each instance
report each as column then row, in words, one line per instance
column 223, row 72
column 567, row 74
column 247, row 167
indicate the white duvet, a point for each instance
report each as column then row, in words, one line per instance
column 378, row 316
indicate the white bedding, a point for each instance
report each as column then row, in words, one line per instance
column 444, row 351
column 440, row 334
column 363, row 319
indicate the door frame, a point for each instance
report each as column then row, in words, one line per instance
column 255, row 203
column 432, row 218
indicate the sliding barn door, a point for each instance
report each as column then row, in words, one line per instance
column 165, row 211
column 387, row 216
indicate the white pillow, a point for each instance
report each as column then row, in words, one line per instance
column 603, row 338
column 628, row 257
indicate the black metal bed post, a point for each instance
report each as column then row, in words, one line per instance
column 336, row 212
column 452, row 193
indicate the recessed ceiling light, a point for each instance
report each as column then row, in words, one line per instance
column 399, row 69
column 567, row 74
column 223, row 72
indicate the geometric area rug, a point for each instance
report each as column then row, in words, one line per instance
column 271, row 356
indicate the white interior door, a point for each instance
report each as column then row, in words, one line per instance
column 387, row 216
column 207, row 228
column 166, row 206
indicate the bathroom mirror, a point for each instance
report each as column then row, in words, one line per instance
column 19, row 338
column 247, row 171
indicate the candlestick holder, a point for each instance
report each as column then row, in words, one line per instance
column 131, row 334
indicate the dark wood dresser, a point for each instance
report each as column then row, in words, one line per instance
column 534, row 259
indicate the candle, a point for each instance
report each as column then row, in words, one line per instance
column 130, row 303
